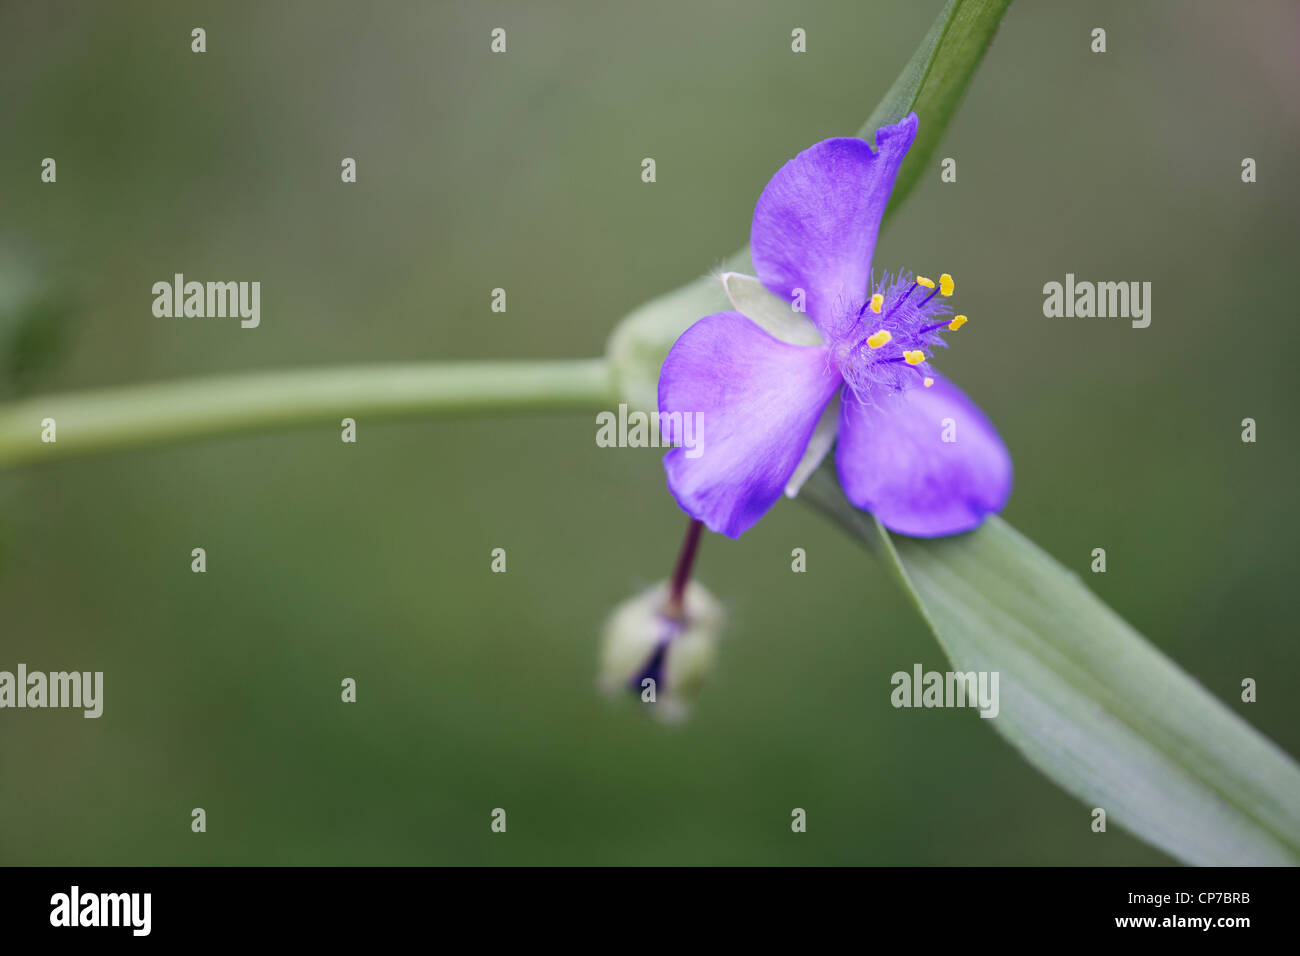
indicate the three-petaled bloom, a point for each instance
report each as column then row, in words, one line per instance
column 911, row 447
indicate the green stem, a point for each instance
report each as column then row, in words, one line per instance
column 135, row 416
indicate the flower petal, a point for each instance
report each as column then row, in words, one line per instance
column 743, row 405
column 815, row 224
column 893, row 460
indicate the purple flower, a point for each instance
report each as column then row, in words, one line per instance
column 912, row 448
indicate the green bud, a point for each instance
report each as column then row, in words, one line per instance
column 661, row 656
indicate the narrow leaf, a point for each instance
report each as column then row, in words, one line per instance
column 933, row 82
column 1087, row 699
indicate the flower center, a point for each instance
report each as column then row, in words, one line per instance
column 894, row 334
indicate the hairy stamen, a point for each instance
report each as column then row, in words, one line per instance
column 894, row 331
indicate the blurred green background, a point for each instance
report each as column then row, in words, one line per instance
column 476, row 690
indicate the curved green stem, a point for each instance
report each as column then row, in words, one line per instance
column 134, row 416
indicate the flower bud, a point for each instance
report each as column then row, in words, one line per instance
column 661, row 656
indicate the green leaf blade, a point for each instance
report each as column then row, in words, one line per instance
column 1100, row 710
column 933, row 83
column 1086, row 699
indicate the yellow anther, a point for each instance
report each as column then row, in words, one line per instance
column 877, row 301
column 957, row 322
column 878, row 339
column 922, row 280
column 945, row 284
column 914, row 357
column 928, row 381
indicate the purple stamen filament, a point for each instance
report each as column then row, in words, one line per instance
column 893, row 308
